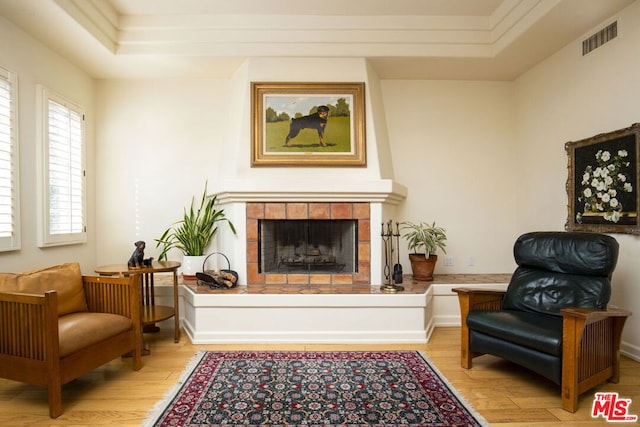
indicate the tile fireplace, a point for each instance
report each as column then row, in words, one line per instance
column 308, row 243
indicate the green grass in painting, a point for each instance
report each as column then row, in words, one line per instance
column 337, row 135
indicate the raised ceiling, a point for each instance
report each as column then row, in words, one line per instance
column 408, row 39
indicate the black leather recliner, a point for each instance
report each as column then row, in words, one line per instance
column 553, row 317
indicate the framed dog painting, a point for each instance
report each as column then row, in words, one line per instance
column 602, row 185
column 308, row 124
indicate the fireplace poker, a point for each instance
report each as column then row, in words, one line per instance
column 387, row 239
column 397, row 269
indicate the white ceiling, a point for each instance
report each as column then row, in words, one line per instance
column 421, row 39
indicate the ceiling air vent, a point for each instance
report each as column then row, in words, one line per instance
column 609, row 32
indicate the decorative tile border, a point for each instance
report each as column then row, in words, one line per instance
column 285, row 210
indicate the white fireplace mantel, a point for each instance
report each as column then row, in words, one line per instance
column 300, row 190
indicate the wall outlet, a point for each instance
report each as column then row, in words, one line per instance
column 471, row 261
column 448, row 261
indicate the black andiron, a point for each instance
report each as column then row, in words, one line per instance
column 387, row 240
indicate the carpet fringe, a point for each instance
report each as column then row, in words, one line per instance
column 156, row 412
column 482, row 420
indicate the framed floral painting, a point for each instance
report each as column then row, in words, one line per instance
column 308, row 124
column 602, row 185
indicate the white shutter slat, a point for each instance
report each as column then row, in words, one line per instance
column 9, row 203
column 66, row 205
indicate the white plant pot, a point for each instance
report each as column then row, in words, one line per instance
column 192, row 265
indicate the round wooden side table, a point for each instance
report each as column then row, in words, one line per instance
column 151, row 313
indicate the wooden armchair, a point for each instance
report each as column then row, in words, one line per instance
column 56, row 325
column 553, row 317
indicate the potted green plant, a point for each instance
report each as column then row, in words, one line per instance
column 423, row 240
column 193, row 233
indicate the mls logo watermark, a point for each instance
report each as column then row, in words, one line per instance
column 612, row 408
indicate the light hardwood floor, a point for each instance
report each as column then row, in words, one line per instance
column 114, row 395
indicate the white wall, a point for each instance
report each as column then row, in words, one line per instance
column 35, row 64
column 570, row 97
column 158, row 142
column 453, row 147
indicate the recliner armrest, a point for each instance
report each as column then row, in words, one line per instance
column 478, row 299
column 474, row 300
column 589, row 331
column 593, row 315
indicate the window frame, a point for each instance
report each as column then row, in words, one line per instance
column 45, row 237
column 14, row 241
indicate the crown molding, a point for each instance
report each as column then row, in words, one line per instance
column 305, row 35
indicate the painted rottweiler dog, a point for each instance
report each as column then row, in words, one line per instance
column 317, row 121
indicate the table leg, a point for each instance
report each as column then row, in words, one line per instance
column 149, row 300
column 176, row 307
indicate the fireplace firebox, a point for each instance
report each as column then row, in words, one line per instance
column 308, row 246
column 318, row 244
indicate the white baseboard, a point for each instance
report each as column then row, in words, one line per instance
column 631, row 351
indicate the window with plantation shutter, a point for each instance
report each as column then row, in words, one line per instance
column 9, row 195
column 63, row 192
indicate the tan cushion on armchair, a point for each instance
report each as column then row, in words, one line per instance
column 66, row 279
column 80, row 330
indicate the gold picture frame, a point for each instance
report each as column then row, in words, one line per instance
column 308, row 124
column 602, row 184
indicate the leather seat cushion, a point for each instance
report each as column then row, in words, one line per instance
column 80, row 330
column 536, row 331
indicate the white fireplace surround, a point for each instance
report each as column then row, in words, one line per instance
column 382, row 195
column 305, row 318
column 237, row 182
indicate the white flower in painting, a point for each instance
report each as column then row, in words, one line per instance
column 585, row 178
column 602, row 184
column 613, row 216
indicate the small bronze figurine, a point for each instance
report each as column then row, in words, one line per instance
column 137, row 257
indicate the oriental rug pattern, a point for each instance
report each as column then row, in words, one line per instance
column 269, row 388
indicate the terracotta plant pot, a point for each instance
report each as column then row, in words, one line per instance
column 422, row 266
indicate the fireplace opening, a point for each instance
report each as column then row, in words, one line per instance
column 308, row 246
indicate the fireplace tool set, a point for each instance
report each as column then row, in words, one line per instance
column 392, row 280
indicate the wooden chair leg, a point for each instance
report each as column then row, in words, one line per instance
column 571, row 337
column 569, row 397
column 466, row 358
column 137, row 356
column 55, row 400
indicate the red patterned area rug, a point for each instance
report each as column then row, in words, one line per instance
column 284, row 388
